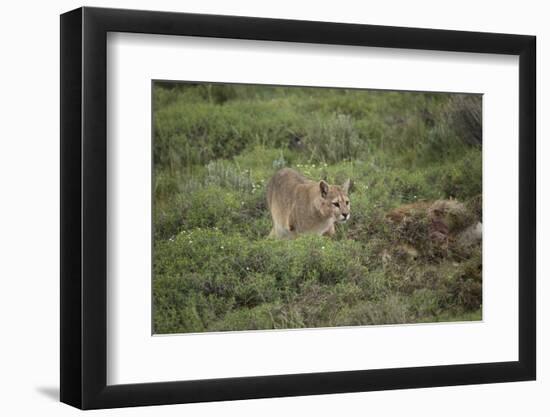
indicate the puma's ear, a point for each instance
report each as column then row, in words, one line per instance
column 323, row 186
column 347, row 185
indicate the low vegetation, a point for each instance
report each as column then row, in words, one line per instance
column 406, row 255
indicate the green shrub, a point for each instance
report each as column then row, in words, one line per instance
column 333, row 139
column 257, row 318
column 195, row 133
column 223, row 174
column 464, row 112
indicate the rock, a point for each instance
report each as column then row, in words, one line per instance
column 431, row 228
column 471, row 235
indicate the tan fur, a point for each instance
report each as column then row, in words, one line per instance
column 299, row 205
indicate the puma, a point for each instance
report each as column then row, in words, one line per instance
column 299, row 205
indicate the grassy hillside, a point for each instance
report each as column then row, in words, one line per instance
column 215, row 148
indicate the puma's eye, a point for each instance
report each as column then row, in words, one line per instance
column 347, row 203
column 336, row 204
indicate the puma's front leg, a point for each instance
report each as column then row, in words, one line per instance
column 330, row 231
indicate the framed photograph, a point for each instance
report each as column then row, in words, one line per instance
column 257, row 208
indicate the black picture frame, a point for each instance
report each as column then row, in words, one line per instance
column 84, row 207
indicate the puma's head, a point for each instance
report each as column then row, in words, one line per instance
column 335, row 201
